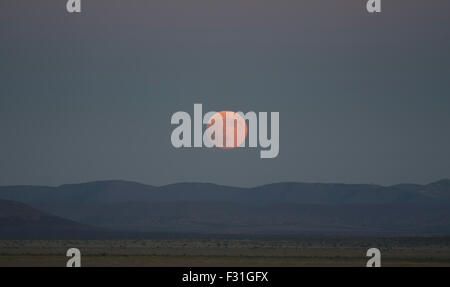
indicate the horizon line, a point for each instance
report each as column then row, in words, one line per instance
column 216, row 184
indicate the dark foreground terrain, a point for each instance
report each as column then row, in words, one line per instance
column 417, row 251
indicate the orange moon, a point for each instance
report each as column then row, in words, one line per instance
column 234, row 123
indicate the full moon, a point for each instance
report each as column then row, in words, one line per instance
column 234, row 128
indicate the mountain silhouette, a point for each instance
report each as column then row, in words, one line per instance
column 19, row 221
column 279, row 208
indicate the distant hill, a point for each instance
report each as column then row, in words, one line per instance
column 300, row 193
column 19, row 221
column 280, row 208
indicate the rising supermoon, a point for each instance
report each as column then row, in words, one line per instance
column 234, row 129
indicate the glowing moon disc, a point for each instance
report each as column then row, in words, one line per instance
column 234, row 129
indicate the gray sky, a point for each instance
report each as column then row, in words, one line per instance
column 362, row 98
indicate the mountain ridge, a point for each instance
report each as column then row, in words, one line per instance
column 20, row 221
column 443, row 180
column 297, row 192
column 288, row 208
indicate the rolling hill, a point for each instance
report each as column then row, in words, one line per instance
column 280, row 208
column 19, row 221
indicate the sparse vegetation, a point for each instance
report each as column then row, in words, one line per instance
column 330, row 251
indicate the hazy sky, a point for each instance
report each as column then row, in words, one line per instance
column 362, row 98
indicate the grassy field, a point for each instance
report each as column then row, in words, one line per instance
column 417, row 251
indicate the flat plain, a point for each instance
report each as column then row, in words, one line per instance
column 229, row 252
